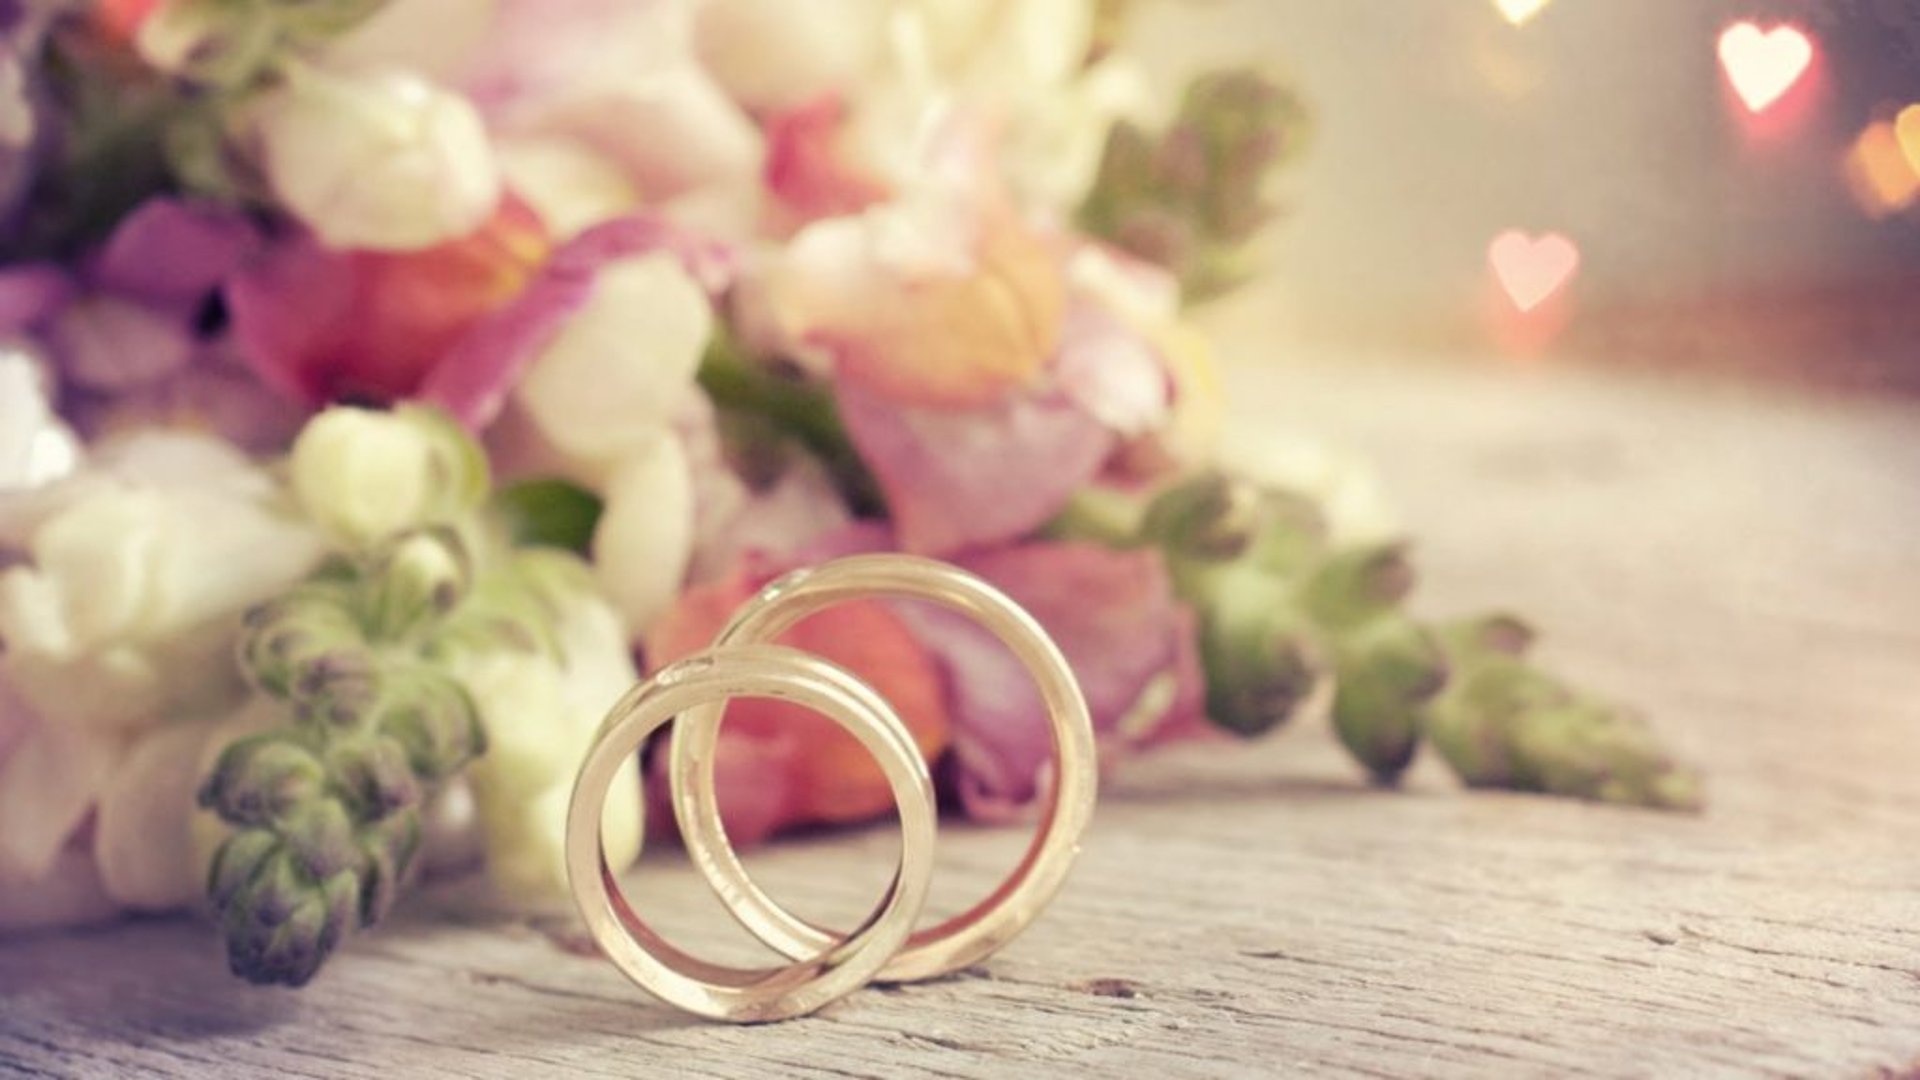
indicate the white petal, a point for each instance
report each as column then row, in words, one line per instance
column 143, row 834
column 645, row 537
column 47, row 785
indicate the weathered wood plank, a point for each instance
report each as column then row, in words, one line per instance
column 1745, row 566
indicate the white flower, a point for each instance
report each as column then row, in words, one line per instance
column 624, row 363
column 363, row 475
column 542, row 711
column 377, row 159
column 644, row 541
column 35, row 446
column 121, row 613
column 570, row 187
column 777, row 54
column 620, row 79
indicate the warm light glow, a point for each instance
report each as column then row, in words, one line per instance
column 1519, row 11
column 1530, row 268
column 1906, row 130
column 1763, row 65
column 1883, row 165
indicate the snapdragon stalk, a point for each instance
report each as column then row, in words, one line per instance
column 327, row 807
column 1190, row 197
column 1288, row 618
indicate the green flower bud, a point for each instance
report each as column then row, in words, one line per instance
column 1191, row 197
column 375, row 773
column 281, row 923
column 319, row 833
column 1504, row 723
column 414, row 579
column 257, row 779
column 1210, row 517
column 338, row 687
column 236, row 862
column 389, row 847
column 1356, row 586
column 1261, row 655
column 1388, row 671
column 279, row 640
column 430, row 715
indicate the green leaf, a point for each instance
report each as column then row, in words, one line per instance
column 549, row 513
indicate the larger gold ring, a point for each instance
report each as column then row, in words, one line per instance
column 1004, row 913
column 822, row 974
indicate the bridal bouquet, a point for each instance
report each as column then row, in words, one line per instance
column 385, row 386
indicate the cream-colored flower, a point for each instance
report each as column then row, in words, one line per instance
column 35, row 446
column 121, row 614
column 541, row 711
column 623, row 365
column 377, row 159
column 644, row 540
column 363, row 475
column 776, row 54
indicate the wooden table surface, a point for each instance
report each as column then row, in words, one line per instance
column 1745, row 564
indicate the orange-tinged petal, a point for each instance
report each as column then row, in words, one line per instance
column 330, row 325
column 949, row 336
column 829, row 776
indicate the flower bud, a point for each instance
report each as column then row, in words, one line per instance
column 375, row 773
column 283, row 638
column 1388, row 671
column 417, row 578
column 281, row 923
column 379, row 160
column 1210, row 516
column 1262, row 659
column 258, row 778
column 433, row 720
column 365, row 475
column 389, row 846
column 1358, row 585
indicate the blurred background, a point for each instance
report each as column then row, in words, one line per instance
column 1775, row 240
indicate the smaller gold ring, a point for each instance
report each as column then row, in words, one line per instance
column 993, row 921
column 838, row 966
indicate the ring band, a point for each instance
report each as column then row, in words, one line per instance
column 833, row 966
column 1004, row 913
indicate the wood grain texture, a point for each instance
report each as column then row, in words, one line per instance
column 1746, row 567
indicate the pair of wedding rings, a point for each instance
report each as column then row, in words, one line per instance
column 743, row 663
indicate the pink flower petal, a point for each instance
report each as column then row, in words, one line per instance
column 1117, row 621
column 290, row 305
column 961, row 478
column 31, row 294
column 169, row 250
column 754, row 774
column 1111, row 372
column 106, row 343
column 473, row 380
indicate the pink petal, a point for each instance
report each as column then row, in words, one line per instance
column 106, row 343
column 277, row 335
column 1117, row 621
column 1112, row 372
column 30, row 294
column 754, row 775
column 962, row 478
column 169, row 250
column 473, row 380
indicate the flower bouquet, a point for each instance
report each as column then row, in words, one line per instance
column 384, row 386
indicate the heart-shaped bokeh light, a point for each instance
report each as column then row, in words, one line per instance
column 1532, row 268
column 1761, row 64
column 1519, row 11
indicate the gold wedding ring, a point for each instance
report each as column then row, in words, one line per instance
column 827, row 964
